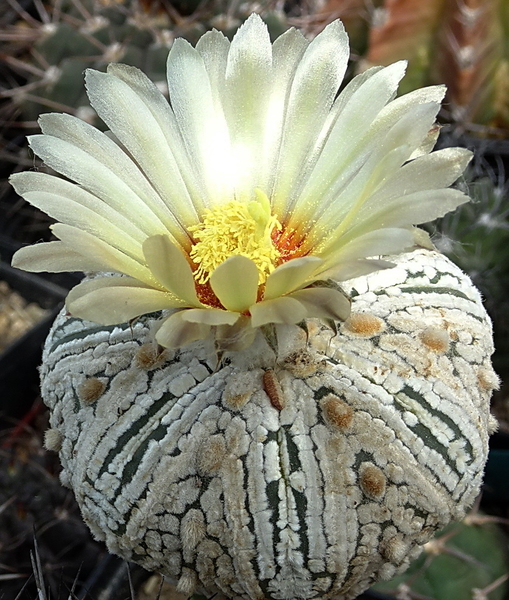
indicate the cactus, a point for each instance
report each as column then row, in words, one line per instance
column 462, row 43
column 319, row 470
column 465, row 561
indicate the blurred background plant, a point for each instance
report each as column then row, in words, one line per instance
column 462, row 43
column 45, row 45
column 453, row 564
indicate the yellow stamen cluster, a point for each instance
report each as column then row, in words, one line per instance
column 235, row 228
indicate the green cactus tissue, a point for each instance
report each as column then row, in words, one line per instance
column 270, row 384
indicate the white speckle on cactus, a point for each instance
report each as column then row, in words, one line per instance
column 114, row 52
column 202, row 472
column 51, row 76
column 94, row 23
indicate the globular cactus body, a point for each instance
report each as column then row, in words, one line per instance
column 307, row 474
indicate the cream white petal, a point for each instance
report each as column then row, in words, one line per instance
column 210, row 316
column 95, row 176
column 287, row 52
column 291, row 275
column 324, row 303
column 248, row 88
column 428, row 143
column 235, row 283
column 72, row 197
column 176, row 332
column 86, row 220
column 278, row 310
column 356, row 267
column 161, row 111
column 360, row 103
column 344, row 98
column 428, row 172
column 133, row 123
column 385, row 241
column 98, row 250
column 170, row 267
column 396, row 109
column 314, row 87
column 388, row 156
column 213, row 47
column 106, row 151
column 112, row 300
column 55, row 257
column 345, row 158
column 416, row 208
column 340, row 103
column 201, row 122
column 342, row 153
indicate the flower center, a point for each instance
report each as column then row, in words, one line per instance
column 232, row 229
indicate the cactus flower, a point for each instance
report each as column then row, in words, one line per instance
column 244, row 200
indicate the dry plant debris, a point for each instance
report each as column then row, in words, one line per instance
column 16, row 315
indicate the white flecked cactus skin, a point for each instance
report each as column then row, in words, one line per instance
column 310, row 474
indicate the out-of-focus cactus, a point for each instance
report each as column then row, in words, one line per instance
column 356, row 16
column 465, row 561
column 51, row 52
column 462, row 43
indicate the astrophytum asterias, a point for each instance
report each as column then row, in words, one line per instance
column 310, row 474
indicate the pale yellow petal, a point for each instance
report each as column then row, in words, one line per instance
column 428, row 142
column 109, row 174
column 170, row 267
column 210, row 316
column 235, row 337
column 68, row 198
column 165, row 124
column 324, row 303
column 380, row 242
column 176, row 332
column 355, row 268
column 248, row 91
column 84, row 219
column 279, row 310
column 203, row 130
column 55, row 257
column 235, row 283
column 98, row 250
column 112, row 300
column 291, row 275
